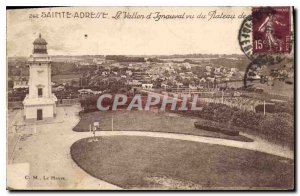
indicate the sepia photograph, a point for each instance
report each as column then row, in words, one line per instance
column 150, row 98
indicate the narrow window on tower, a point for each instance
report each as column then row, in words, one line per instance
column 40, row 92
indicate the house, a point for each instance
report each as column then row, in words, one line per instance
column 192, row 87
column 217, row 70
column 105, row 73
column 83, row 64
column 129, row 72
column 97, row 92
column 58, row 88
column 210, row 79
column 147, row 86
column 225, row 79
column 202, row 80
column 233, row 69
column 115, row 64
column 165, row 86
column 208, row 73
column 20, row 82
column 179, row 84
column 208, row 68
column 134, row 82
column 187, row 65
column 85, row 91
column 70, row 79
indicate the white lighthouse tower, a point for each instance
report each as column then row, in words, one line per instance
column 40, row 103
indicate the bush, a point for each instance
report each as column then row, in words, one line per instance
column 247, row 119
column 276, row 127
column 277, row 108
column 217, row 127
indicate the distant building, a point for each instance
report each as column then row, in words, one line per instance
column 202, row 80
column 217, row 70
column 179, row 84
column 138, row 75
column 70, row 79
column 147, row 86
column 187, row 65
column 233, row 69
column 20, row 82
column 129, row 72
column 208, row 68
column 104, row 73
column 192, row 86
column 135, row 83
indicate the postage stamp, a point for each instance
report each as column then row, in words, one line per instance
column 266, row 38
column 271, row 30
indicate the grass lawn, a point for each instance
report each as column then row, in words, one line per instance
column 134, row 162
column 134, row 120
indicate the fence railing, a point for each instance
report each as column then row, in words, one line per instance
column 61, row 102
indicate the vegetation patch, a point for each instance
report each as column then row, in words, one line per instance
column 274, row 127
column 152, row 121
column 217, row 127
column 134, row 162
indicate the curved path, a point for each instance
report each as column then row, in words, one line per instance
column 257, row 145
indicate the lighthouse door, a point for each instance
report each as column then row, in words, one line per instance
column 39, row 114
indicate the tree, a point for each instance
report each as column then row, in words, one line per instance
column 186, row 82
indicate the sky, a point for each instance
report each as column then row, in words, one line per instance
column 109, row 36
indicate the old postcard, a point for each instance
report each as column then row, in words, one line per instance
column 151, row 98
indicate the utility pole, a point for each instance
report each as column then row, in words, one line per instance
column 264, row 107
column 222, row 96
column 112, row 123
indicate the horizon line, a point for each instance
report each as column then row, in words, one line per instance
column 134, row 54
